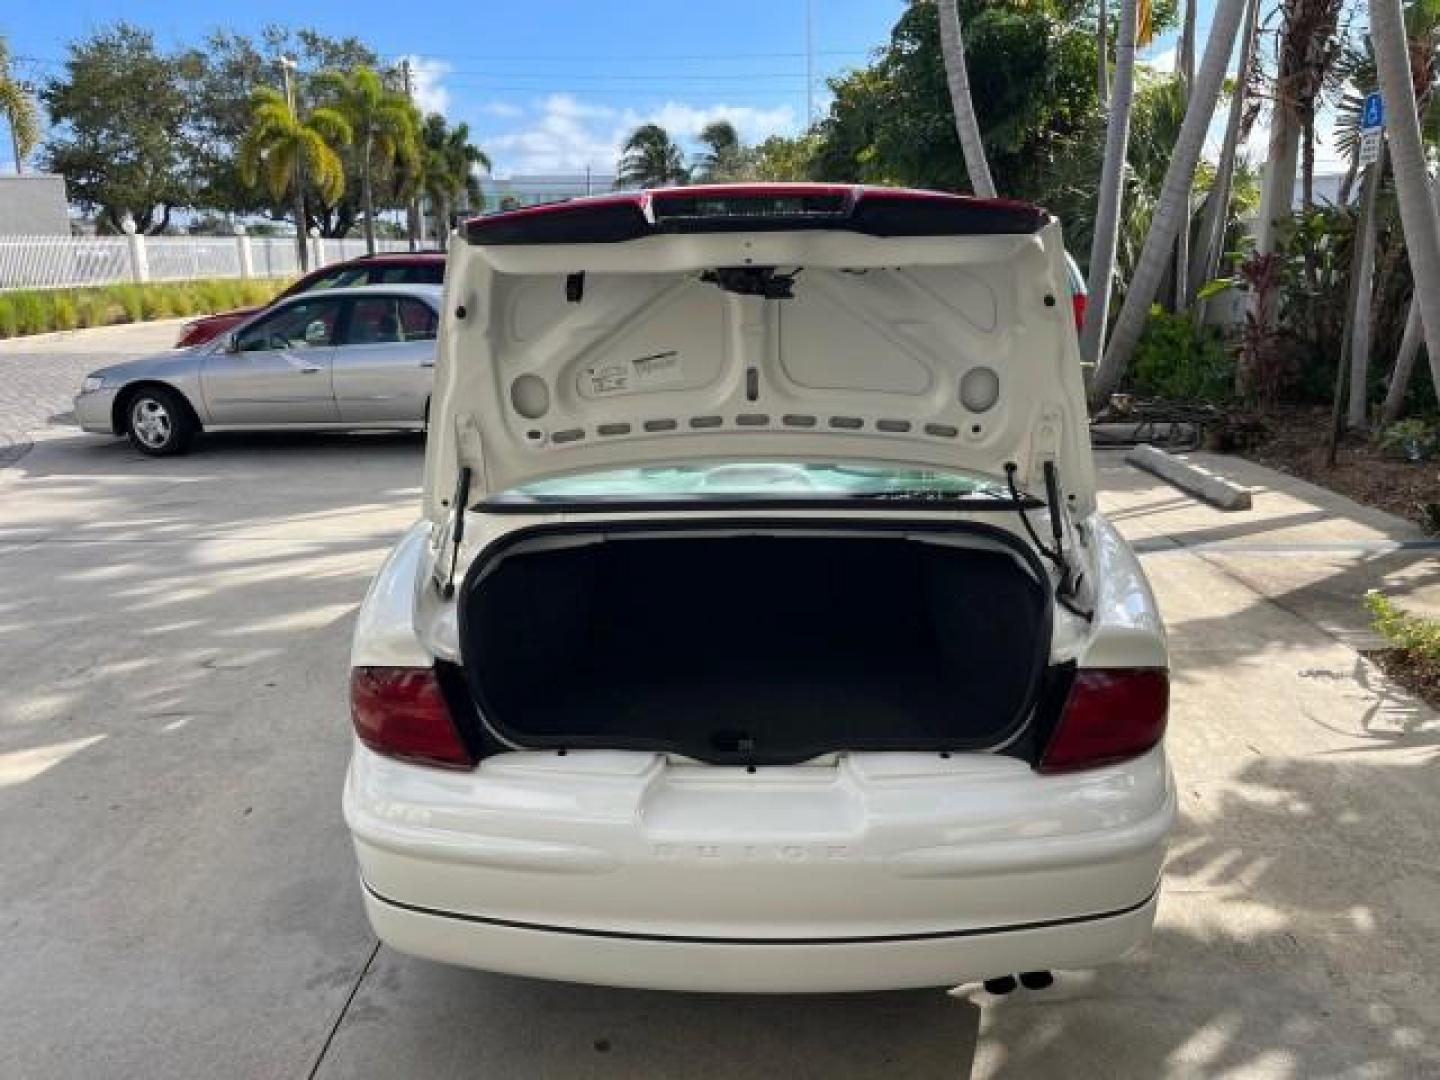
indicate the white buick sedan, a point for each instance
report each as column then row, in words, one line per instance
column 760, row 632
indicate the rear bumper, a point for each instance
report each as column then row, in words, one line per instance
column 757, row 966
column 879, row 871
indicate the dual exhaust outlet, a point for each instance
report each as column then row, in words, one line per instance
column 1031, row 980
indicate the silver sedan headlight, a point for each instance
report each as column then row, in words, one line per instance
column 92, row 383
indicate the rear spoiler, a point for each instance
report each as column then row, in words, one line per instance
column 725, row 208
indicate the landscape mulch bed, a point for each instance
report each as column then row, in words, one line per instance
column 1418, row 674
column 1294, row 442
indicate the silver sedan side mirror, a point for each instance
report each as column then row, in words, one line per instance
column 232, row 342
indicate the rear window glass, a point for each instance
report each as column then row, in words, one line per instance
column 406, row 274
column 384, row 320
column 760, row 479
column 339, row 278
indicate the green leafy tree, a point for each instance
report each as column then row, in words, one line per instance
column 782, row 158
column 448, row 168
column 283, row 150
column 383, row 124
column 18, row 108
column 222, row 76
column 650, row 158
column 122, row 115
column 1031, row 73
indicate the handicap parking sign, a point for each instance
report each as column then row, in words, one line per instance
column 1373, row 116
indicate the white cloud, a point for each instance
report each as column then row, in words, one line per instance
column 569, row 134
column 503, row 109
column 427, row 86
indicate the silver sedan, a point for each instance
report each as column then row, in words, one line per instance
column 344, row 358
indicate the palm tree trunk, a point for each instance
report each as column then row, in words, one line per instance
column 367, row 195
column 1112, row 188
column 1363, row 267
column 952, row 46
column 1277, row 185
column 1307, row 162
column 1205, row 263
column 1182, row 239
column 1102, row 29
column 1173, row 205
column 1418, row 216
column 1409, row 349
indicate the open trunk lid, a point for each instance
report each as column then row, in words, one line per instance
column 758, row 322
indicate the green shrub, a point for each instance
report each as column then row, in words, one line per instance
column 1412, row 633
column 1177, row 359
column 30, row 313
column 64, row 313
column 1411, row 440
column 36, row 311
column 94, row 308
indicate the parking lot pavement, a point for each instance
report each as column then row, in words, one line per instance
column 40, row 375
column 177, row 894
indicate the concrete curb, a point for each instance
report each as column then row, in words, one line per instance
column 1191, row 479
column 82, row 331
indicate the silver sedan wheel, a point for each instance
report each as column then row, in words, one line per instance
column 151, row 421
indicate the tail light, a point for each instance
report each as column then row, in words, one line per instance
column 401, row 713
column 1112, row 714
column 1079, row 301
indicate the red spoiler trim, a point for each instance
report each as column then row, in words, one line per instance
column 704, row 208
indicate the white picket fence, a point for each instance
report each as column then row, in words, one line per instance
column 57, row 262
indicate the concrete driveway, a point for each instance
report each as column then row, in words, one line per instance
column 177, row 894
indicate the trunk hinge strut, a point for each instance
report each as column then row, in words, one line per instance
column 468, row 447
column 1066, row 588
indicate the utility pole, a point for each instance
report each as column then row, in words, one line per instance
column 287, row 65
column 412, row 210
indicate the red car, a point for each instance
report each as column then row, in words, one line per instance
column 403, row 268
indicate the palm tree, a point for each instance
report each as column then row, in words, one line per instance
column 1112, row 186
column 1308, row 51
column 1357, row 318
column 1357, row 69
column 724, row 157
column 382, row 122
column 1185, row 62
column 650, row 158
column 448, row 169
column 1205, row 262
column 18, row 108
column 281, row 149
column 1409, row 348
column 1418, row 217
column 967, row 127
column 1173, row 206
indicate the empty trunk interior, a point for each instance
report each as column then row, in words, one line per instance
column 755, row 648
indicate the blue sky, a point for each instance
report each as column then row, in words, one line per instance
column 545, row 86
column 553, row 86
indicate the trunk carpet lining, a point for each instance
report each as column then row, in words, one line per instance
column 761, row 648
